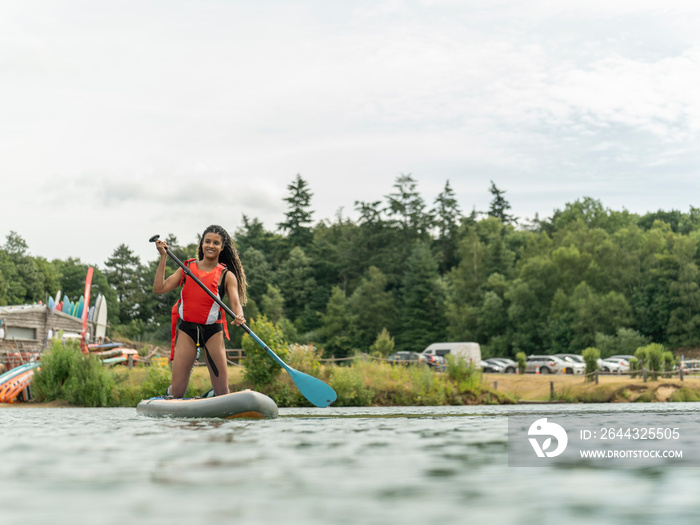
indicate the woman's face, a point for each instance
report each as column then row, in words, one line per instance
column 212, row 245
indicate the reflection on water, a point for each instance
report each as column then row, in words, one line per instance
column 346, row 465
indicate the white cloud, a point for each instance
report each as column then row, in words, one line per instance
column 173, row 115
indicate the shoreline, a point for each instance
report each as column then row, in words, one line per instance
column 534, row 389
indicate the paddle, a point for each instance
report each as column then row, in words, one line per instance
column 313, row 389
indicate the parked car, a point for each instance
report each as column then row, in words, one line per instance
column 547, row 364
column 509, row 366
column 470, row 352
column 435, row 361
column 613, row 365
column 608, row 367
column 624, row 364
column 625, row 357
column 407, row 358
column 489, row 367
column 574, row 363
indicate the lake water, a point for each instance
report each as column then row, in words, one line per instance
column 415, row 465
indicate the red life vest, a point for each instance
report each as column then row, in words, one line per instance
column 195, row 305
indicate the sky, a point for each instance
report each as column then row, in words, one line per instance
column 121, row 120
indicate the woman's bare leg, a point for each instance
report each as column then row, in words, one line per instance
column 185, row 354
column 217, row 351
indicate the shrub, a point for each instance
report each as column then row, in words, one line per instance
column 305, row 358
column 348, row 382
column 260, row 368
column 642, row 356
column 653, row 358
column 68, row 374
column 90, row 384
column 157, row 381
column 56, row 365
column 383, row 345
column 521, row 358
column 669, row 360
column 466, row 375
column 634, row 367
column 590, row 356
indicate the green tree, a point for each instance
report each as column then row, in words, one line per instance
column 384, row 344
column 421, row 304
column 126, row 274
column 254, row 235
column 624, row 342
column 499, row 205
column 338, row 254
column 407, row 207
column 259, row 273
column 272, row 304
column 372, row 308
column 22, row 277
column 298, row 216
column 684, row 319
column 295, row 278
column 15, row 245
column 337, row 325
column 446, row 217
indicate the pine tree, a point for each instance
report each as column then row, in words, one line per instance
column 500, row 206
column 446, row 215
column 125, row 273
column 421, row 304
column 372, row 308
column 407, row 205
column 298, row 215
column 337, row 325
column 295, row 277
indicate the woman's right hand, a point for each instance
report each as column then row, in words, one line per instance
column 161, row 246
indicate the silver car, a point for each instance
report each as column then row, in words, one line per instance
column 509, row 366
column 544, row 364
column 574, row 363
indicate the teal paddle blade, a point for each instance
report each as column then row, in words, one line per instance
column 313, row 389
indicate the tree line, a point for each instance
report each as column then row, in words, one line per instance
column 420, row 272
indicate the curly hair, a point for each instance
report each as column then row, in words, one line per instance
column 229, row 257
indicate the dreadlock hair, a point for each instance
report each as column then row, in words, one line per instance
column 228, row 256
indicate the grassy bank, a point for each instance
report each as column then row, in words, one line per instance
column 610, row 389
column 68, row 376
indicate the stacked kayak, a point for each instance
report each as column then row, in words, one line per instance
column 244, row 404
column 14, row 383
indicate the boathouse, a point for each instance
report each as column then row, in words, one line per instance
column 25, row 331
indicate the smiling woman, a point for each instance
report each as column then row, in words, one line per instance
column 200, row 322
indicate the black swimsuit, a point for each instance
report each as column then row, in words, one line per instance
column 200, row 333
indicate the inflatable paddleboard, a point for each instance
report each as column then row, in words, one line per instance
column 17, row 371
column 10, row 390
column 244, row 404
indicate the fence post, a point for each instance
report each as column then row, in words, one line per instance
column 596, row 377
column 644, row 374
column 551, row 390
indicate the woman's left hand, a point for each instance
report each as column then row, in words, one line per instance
column 239, row 320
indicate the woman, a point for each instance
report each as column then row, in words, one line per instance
column 201, row 319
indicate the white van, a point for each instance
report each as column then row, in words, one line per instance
column 470, row 352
